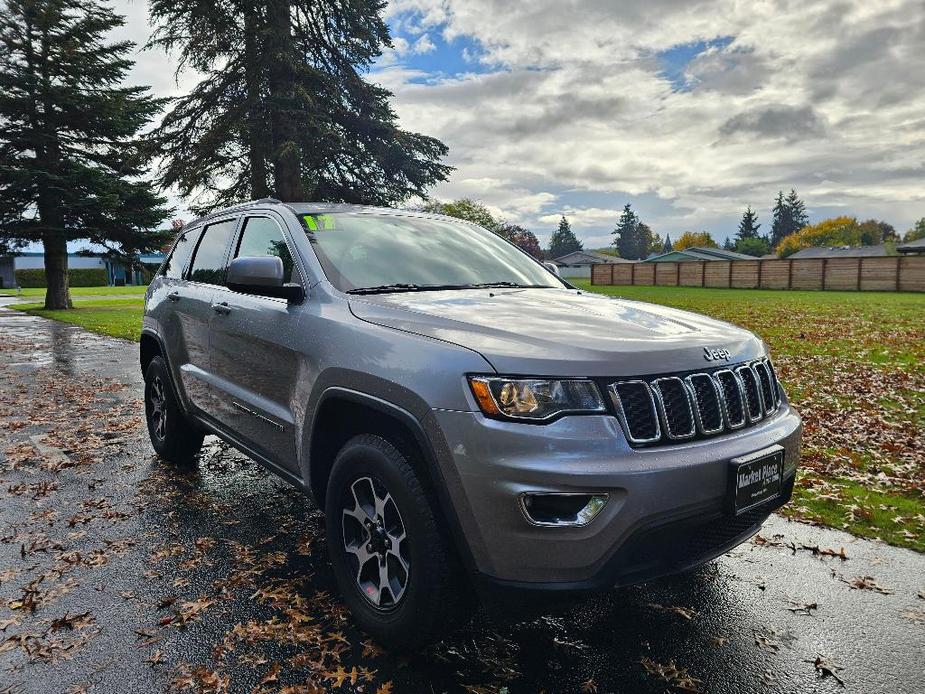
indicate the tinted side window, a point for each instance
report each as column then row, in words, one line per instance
column 262, row 236
column 209, row 262
column 181, row 253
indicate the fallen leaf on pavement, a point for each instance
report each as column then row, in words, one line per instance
column 672, row 675
column 868, row 583
column 826, row 669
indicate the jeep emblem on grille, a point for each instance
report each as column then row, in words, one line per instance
column 715, row 354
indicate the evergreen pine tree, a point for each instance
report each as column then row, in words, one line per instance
column 70, row 155
column 798, row 216
column 782, row 223
column 563, row 240
column 626, row 235
column 748, row 227
column 729, row 244
column 284, row 107
column 667, row 247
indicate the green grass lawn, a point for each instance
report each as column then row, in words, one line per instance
column 116, row 317
column 853, row 364
column 39, row 292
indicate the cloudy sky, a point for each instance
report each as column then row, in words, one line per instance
column 687, row 110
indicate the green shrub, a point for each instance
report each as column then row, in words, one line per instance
column 88, row 277
column 80, row 277
column 31, row 278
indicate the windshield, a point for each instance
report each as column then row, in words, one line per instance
column 368, row 253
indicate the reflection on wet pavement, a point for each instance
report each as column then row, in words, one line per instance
column 120, row 573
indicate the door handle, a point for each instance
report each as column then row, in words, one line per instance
column 174, row 296
column 222, row 308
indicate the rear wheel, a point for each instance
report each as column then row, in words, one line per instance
column 174, row 437
column 392, row 562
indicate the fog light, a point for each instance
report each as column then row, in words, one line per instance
column 561, row 509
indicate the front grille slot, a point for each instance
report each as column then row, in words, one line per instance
column 674, row 404
column 673, row 408
column 767, row 389
column 636, row 411
column 733, row 397
column 752, row 394
column 774, row 381
column 707, row 403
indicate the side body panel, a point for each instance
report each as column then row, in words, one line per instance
column 260, row 351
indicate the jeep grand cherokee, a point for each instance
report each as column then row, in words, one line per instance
column 463, row 415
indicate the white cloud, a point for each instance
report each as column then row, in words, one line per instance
column 825, row 97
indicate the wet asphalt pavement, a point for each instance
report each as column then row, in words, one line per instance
column 119, row 573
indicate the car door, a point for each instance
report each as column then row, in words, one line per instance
column 193, row 310
column 256, row 366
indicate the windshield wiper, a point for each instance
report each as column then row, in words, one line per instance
column 513, row 285
column 384, row 288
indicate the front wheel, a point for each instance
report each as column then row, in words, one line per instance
column 391, row 560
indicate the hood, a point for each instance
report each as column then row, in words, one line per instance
column 562, row 332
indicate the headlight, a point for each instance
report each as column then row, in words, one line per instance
column 535, row 399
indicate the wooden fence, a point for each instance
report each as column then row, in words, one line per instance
column 891, row 274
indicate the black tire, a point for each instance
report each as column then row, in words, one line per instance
column 174, row 437
column 434, row 598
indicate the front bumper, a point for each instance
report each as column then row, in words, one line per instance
column 666, row 508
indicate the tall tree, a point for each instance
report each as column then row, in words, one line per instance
column 781, row 222
column 798, row 216
column 284, row 107
column 628, row 240
column 748, row 226
column 563, row 240
column 667, row 247
column 71, row 161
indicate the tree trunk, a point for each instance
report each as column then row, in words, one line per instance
column 58, row 295
column 256, row 138
column 287, row 177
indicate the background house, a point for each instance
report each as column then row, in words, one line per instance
column 578, row 263
column 912, row 247
column 697, row 254
column 117, row 272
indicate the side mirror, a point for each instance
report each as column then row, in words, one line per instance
column 263, row 276
column 553, row 268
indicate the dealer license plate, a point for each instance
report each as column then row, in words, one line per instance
column 756, row 478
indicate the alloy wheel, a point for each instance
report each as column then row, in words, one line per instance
column 376, row 543
column 157, row 413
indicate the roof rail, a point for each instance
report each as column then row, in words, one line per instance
column 249, row 203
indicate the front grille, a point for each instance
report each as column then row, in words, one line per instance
column 696, row 405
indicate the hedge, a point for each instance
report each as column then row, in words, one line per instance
column 79, row 277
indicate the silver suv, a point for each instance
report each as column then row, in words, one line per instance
column 464, row 416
